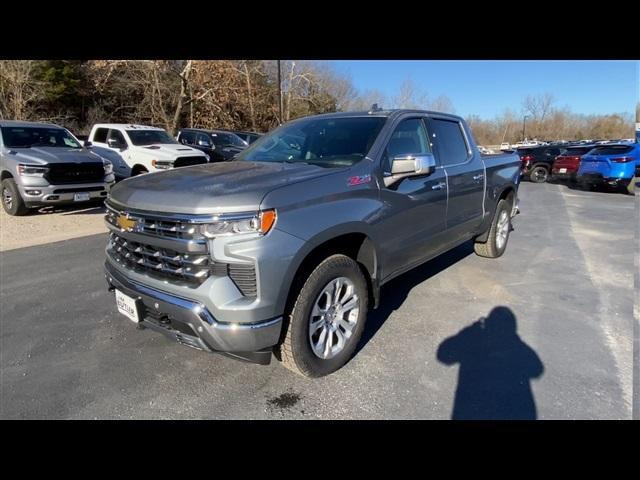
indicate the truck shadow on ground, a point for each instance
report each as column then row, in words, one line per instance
column 394, row 293
column 495, row 369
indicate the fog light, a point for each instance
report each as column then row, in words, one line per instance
column 53, row 197
column 34, row 192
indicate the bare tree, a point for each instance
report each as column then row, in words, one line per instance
column 18, row 89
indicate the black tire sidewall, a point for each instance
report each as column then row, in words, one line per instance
column 532, row 176
column 503, row 205
column 331, row 268
column 18, row 203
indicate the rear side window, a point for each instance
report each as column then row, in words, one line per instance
column 612, row 150
column 101, row 135
column 117, row 136
column 188, row 138
column 448, row 140
column 203, row 137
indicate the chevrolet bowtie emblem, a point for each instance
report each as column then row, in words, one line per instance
column 125, row 223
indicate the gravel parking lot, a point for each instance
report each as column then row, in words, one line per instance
column 566, row 282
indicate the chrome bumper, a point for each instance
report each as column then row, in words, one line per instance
column 190, row 323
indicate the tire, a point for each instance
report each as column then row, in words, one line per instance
column 494, row 247
column 139, row 171
column 12, row 202
column 296, row 351
column 539, row 174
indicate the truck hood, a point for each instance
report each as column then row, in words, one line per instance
column 227, row 187
column 49, row 155
column 168, row 151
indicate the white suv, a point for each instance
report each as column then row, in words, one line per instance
column 135, row 149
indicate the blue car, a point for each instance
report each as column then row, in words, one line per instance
column 614, row 165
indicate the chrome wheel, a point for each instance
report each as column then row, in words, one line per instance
column 7, row 198
column 502, row 229
column 539, row 175
column 333, row 318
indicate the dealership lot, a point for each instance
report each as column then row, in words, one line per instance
column 567, row 278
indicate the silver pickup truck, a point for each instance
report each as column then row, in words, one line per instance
column 43, row 164
column 285, row 248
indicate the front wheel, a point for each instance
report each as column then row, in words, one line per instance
column 11, row 200
column 499, row 230
column 326, row 321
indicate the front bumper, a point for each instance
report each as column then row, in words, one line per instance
column 190, row 323
column 60, row 194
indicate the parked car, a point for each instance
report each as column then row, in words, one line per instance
column 136, row 149
column 43, row 164
column 538, row 161
column 565, row 166
column 219, row 145
column 505, row 146
column 249, row 137
column 285, row 248
column 610, row 165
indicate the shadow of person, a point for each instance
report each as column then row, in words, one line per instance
column 496, row 367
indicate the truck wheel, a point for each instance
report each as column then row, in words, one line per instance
column 139, row 171
column 539, row 174
column 327, row 319
column 498, row 237
column 11, row 200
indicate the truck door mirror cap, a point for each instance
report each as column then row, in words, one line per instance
column 404, row 166
column 87, row 143
column 113, row 143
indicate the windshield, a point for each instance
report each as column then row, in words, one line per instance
column 25, row 137
column 226, row 139
column 150, row 137
column 326, row 142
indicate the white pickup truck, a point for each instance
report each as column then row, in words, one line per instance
column 136, row 149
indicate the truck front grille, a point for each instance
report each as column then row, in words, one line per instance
column 187, row 161
column 191, row 269
column 158, row 228
column 69, row 173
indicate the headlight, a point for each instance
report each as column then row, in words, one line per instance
column 32, row 170
column 108, row 167
column 259, row 222
column 161, row 165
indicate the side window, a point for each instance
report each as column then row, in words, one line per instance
column 101, row 135
column 187, row 138
column 409, row 137
column 117, row 136
column 204, row 137
column 447, row 138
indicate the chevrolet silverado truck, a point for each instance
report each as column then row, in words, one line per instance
column 136, row 149
column 284, row 249
column 43, row 164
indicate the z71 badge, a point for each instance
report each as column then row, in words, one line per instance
column 358, row 180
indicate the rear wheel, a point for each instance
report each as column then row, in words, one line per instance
column 498, row 236
column 326, row 321
column 539, row 174
column 11, row 200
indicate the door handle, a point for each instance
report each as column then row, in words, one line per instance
column 480, row 176
column 438, row 186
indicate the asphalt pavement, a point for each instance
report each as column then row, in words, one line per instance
column 543, row 332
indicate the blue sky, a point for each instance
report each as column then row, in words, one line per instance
column 486, row 88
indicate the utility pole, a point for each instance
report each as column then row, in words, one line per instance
column 524, row 123
column 280, row 92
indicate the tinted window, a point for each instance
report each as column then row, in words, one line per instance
column 226, row 139
column 188, row 138
column 612, row 150
column 101, row 135
column 577, row 151
column 447, row 137
column 326, row 142
column 204, row 138
column 150, row 137
column 117, row 136
column 16, row 137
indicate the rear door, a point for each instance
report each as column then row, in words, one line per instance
column 465, row 175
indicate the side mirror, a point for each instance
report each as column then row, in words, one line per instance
column 87, row 143
column 405, row 166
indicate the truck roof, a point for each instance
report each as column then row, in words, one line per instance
column 383, row 113
column 22, row 123
column 130, row 126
